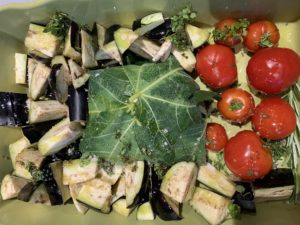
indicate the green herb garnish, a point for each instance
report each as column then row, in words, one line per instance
column 58, row 25
column 179, row 38
column 37, row 175
column 234, row 211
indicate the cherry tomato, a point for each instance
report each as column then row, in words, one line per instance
column 247, row 157
column 274, row 119
column 216, row 137
column 261, row 34
column 216, row 66
column 227, row 32
column 273, row 70
column 236, row 105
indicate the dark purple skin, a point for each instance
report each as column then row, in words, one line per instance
column 109, row 34
column 78, row 103
column 246, row 199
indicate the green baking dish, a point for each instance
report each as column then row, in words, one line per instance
column 14, row 20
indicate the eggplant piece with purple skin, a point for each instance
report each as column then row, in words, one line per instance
column 161, row 31
column 244, row 198
column 109, row 34
column 78, row 103
column 73, row 43
column 27, row 191
column 13, row 109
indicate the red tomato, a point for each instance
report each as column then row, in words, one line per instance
column 236, row 105
column 246, row 157
column 273, row 70
column 216, row 137
column 274, row 119
column 216, row 66
column 228, row 32
column 261, row 34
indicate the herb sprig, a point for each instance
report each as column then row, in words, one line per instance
column 37, row 175
column 59, row 24
column 179, row 37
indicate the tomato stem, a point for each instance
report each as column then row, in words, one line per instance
column 235, row 105
column 265, row 41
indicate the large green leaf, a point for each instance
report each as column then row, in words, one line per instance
column 144, row 112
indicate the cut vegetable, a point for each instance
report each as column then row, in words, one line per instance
column 177, row 181
column 88, row 51
column 57, row 170
column 74, row 190
column 109, row 51
column 186, row 59
column 38, row 83
column 109, row 173
column 124, row 37
column 145, row 212
column 119, row 189
column 16, row 147
column 273, row 194
column 213, row 207
column 95, row 193
column 60, row 59
column 40, row 196
column 31, row 65
column 75, row 171
column 70, row 50
column 60, row 136
column 26, row 192
column 196, row 35
column 145, row 48
column 11, row 186
column 154, row 22
column 79, row 82
column 216, row 180
column 41, row 111
column 121, row 208
column 164, row 51
column 78, row 104
column 76, row 70
column 244, row 197
column 21, row 68
column 101, row 30
column 134, row 174
column 152, row 18
column 38, row 41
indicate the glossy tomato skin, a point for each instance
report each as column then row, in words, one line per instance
column 273, row 70
column 215, row 65
column 274, row 119
column 236, row 105
column 216, row 137
column 261, row 34
column 227, row 38
column 246, row 157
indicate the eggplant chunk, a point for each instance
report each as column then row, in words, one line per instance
column 273, row 194
column 101, row 30
column 41, row 111
column 28, row 156
column 57, row 171
column 213, row 207
column 57, row 83
column 119, row 189
column 20, row 68
column 124, row 37
column 134, row 174
column 75, row 171
column 216, row 180
column 40, row 196
column 78, row 104
column 31, row 65
column 60, row 59
column 121, row 208
column 88, row 51
column 69, row 50
column 11, row 186
column 76, row 70
column 196, row 35
column 185, row 58
column 26, row 192
column 38, row 41
column 38, row 83
column 95, row 193
column 161, row 31
column 110, row 31
column 244, row 197
column 145, row 212
column 74, row 190
column 109, row 173
column 164, row 52
column 145, row 48
column 16, row 147
column 59, row 137
column 177, row 181
column 109, row 51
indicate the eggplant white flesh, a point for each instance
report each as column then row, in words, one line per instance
column 60, row 59
column 88, row 51
column 149, row 23
column 111, row 173
column 145, row 212
column 145, row 48
column 76, row 70
column 16, row 147
column 28, row 156
column 26, row 192
column 124, row 38
column 213, row 207
column 57, row 83
column 109, row 51
column 31, row 65
column 38, row 82
column 40, row 196
column 20, row 68
column 37, row 40
column 69, row 50
column 74, row 171
column 74, row 190
column 57, row 170
column 185, row 58
column 216, row 180
column 121, row 208
column 41, row 111
column 59, row 137
column 11, row 186
column 101, row 30
column 81, row 81
column 119, row 189
column 177, row 181
column 197, row 35
column 164, row 51
column 273, row 194
column 95, row 193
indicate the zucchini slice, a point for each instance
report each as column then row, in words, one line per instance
column 11, row 186
column 88, row 51
column 20, row 68
column 38, row 41
column 38, row 81
column 41, row 111
column 145, row 212
column 40, row 196
column 59, row 137
column 196, row 35
column 213, row 207
column 74, row 190
column 74, row 171
column 185, row 58
column 121, row 208
column 95, row 193
column 216, row 180
column 16, row 147
column 178, row 180
column 124, row 37
column 134, row 174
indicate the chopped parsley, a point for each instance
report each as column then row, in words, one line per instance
column 58, row 25
column 37, row 175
